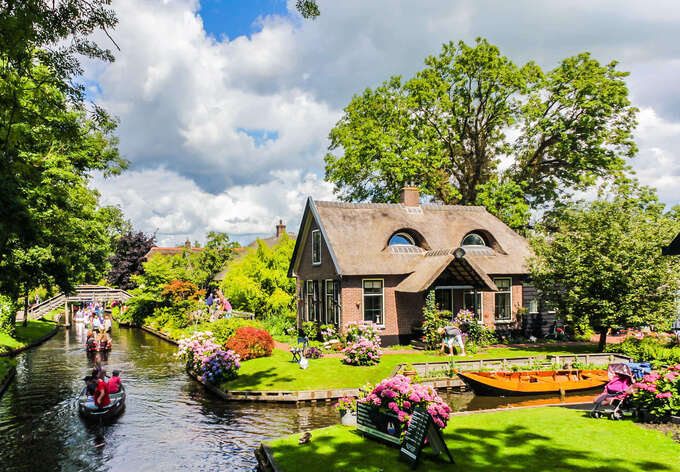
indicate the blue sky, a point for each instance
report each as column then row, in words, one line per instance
column 237, row 17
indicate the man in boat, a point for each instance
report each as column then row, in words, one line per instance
column 101, row 397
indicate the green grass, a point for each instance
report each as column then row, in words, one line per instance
column 279, row 373
column 50, row 316
column 542, row 439
column 34, row 330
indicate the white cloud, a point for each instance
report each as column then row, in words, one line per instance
column 229, row 133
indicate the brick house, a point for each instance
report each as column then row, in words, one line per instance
column 377, row 262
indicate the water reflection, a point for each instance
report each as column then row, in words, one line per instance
column 170, row 422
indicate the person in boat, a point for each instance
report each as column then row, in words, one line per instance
column 90, row 390
column 453, row 334
column 103, row 341
column 101, row 398
column 114, row 382
column 90, row 343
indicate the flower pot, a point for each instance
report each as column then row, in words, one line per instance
column 349, row 418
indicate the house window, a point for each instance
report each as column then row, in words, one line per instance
column 401, row 239
column 373, row 301
column 313, row 313
column 503, row 299
column 443, row 299
column 473, row 239
column 533, row 305
column 332, row 302
column 469, row 303
column 316, row 247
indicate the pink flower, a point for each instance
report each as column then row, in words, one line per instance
column 664, row 395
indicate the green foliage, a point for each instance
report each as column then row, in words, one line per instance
column 258, row 282
column 308, row 8
column 658, row 350
column 602, row 266
column 480, row 336
column 205, row 265
column 432, row 322
column 8, row 311
column 445, row 131
column 223, row 329
column 310, row 329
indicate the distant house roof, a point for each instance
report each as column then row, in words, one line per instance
column 358, row 235
column 170, row 251
column 673, row 249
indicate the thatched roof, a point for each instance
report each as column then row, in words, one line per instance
column 358, row 234
column 170, row 251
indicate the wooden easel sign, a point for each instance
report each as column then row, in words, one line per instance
column 377, row 425
column 422, row 427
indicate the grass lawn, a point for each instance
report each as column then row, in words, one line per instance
column 34, row 330
column 542, row 439
column 279, row 373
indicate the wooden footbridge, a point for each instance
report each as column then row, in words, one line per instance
column 83, row 293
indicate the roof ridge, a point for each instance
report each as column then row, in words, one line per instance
column 372, row 205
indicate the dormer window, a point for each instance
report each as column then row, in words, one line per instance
column 473, row 239
column 401, row 239
column 316, row 247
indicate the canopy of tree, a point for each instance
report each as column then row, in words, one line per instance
column 447, row 129
column 600, row 263
column 127, row 259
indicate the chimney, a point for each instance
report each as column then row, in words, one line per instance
column 187, row 243
column 410, row 196
column 280, row 229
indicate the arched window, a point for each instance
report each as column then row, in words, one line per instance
column 473, row 239
column 401, row 239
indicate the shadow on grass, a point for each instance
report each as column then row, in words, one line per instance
column 472, row 449
column 260, row 378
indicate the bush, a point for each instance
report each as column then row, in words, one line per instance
column 480, row 336
column 310, row 329
column 328, row 332
column 251, row 343
column 660, row 393
column 432, row 323
column 362, row 352
column 400, row 396
column 279, row 324
column 658, row 349
column 355, row 332
column 220, row 366
column 8, row 311
column 313, row 353
column 225, row 328
column 178, row 291
column 195, row 348
column 202, row 356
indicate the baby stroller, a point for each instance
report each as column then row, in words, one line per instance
column 615, row 400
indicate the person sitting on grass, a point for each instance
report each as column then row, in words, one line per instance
column 115, row 383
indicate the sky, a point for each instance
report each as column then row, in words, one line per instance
column 225, row 105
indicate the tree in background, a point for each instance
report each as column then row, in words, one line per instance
column 258, row 282
column 446, row 130
column 206, row 264
column 602, row 265
column 128, row 255
column 308, row 8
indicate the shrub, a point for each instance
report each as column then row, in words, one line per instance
column 659, row 392
column 313, row 353
column 8, row 311
column 251, row 343
column 480, row 336
column 328, row 332
column 432, row 324
column 279, row 324
column 177, row 291
column 310, row 329
column 365, row 330
column 220, row 366
column 362, row 352
column 193, row 350
column 658, row 349
column 399, row 395
column 225, row 328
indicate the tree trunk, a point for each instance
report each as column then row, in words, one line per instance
column 603, row 339
column 25, row 308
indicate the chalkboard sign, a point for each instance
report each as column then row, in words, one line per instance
column 422, row 427
column 384, row 426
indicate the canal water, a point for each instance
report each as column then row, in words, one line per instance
column 170, row 422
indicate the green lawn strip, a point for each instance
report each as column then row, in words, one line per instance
column 34, row 330
column 540, row 439
column 279, row 373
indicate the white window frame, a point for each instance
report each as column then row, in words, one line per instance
column 309, row 293
column 509, row 290
column 404, row 235
column 314, row 235
column 329, row 318
column 480, row 307
column 363, row 300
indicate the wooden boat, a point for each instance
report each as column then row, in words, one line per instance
column 99, row 347
column 114, row 409
column 533, row 382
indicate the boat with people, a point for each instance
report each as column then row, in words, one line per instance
column 97, row 342
column 114, row 408
column 533, row 382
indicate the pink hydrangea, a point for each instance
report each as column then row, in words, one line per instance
column 664, row 395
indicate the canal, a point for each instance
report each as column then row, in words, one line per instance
column 170, row 422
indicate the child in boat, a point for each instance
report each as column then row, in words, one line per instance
column 114, row 382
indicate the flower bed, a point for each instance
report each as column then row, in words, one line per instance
column 362, row 352
column 400, row 395
column 313, row 353
column 207, row 359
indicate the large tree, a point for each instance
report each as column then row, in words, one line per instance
column 205, row 265
column 447, row 129
column 600, row 263
column 128, row 256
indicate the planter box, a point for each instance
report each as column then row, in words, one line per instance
column 381, row 425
